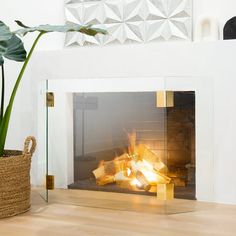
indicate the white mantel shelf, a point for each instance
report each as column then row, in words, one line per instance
column 137, row 60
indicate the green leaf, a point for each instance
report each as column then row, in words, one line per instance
column 69, row 27
column 21, row 24
column 15, row 49
column 5, row 32
column 12, row 49
column 2, row 51
column 11, row 46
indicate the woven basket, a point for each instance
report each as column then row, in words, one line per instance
column 15, row 180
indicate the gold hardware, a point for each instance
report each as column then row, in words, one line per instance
column 50, row 99
column 165, row 99
column 165, row 192
column 50, row 182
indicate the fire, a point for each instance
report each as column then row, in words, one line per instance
column 129, row 171
column 135, row 182
column 140, row 168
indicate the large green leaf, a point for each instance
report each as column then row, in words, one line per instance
column 69, row 27
column 11, row 46
column 12, row 49
column 1, row 61
column 5, row 32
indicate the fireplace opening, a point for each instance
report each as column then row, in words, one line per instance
column 135, row 142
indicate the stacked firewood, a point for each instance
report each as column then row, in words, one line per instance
column 138, row 169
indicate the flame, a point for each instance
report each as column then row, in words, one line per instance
column 135, row 182
column 129, row 172
column 147, row 169
column 139, row 168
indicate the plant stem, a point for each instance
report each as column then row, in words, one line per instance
column 7, row 115
column 23, row 69
column 2, row 93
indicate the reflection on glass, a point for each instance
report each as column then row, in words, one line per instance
column 124, row 142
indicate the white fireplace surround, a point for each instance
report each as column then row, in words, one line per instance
column 60, row 118
column 150, row 67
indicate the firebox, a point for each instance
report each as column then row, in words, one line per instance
column 135, row 142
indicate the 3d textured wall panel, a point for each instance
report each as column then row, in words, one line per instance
column 130, row 20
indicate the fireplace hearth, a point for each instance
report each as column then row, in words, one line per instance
column 133, row 142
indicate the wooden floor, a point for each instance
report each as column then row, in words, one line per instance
column 81, row 213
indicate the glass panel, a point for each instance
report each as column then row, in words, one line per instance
column 42, row 158
column 145, row 144
column 119, row 146
column 189, row 130
column 118, row 142
column 180, row 149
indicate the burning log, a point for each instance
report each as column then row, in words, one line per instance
column 121, row 165
column 125, row 184
column 147, row 154
column 160, row 167
column 123, row 157
column 143, row 181
column 153, row 177
column 121, row 176
column 140, row 169
column 109, row 168
column 105, row 168
column 153, row 189
column 122, row 180
column 107, row 179
column 151, row 157
column 99, row 172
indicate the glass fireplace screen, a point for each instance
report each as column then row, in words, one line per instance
column 135, row 142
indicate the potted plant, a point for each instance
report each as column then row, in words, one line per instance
column 15, row 165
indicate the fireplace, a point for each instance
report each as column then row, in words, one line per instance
column 135, row 142
column 162, row 124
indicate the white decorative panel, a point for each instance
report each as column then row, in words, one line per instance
column 130, row 20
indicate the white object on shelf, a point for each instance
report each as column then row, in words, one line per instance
column 207, row 29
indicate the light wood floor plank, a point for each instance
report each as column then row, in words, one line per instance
column 81, row 213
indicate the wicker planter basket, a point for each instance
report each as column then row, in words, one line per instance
column 15, row 180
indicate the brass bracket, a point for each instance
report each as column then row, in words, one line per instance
column 50, row 99
column 49, row 182
column 164, row 99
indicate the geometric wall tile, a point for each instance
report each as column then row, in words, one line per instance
column 130, row 20
column 115, row 33
column 93, row 13
column 135, row 31
column 134, row 10
column 154, row 30
column 113, row 11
